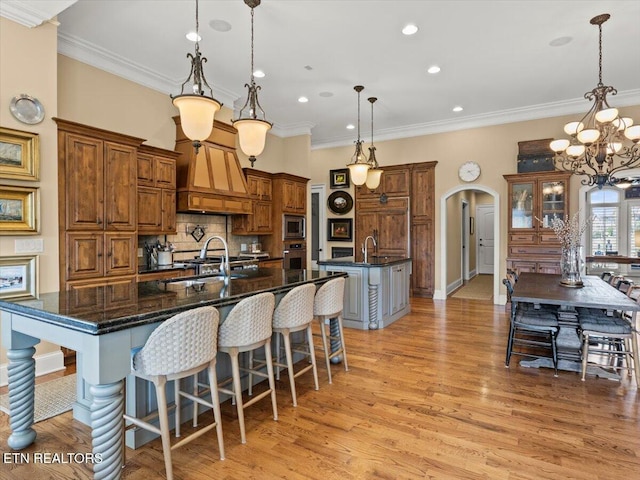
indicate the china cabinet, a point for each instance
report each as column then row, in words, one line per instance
column 535, row 199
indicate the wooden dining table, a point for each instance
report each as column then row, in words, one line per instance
column 541, row 288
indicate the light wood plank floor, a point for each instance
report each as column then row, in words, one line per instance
column 427, row 397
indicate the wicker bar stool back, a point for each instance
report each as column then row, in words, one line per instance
column 179, row 348
column 327, row 308
column 246, row 328
column 294, row 313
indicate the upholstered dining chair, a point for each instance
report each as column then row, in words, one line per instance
column 179, row 348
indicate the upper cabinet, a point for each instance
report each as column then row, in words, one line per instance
column 395, row 182
column 211, row 180
column 261, row 191
column 156, row 190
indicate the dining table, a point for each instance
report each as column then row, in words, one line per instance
column 545, row 289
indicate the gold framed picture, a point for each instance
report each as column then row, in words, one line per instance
column 19, row 277
column 19, row 210
column 19, row 155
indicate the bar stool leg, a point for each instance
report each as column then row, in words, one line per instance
column 237, row 391
column 292, row 380
column 312, row 356
column 323, row 333
column 164, row 426
column 272, row 382
column 344, row 350
column 215, row 400
column 176, row 389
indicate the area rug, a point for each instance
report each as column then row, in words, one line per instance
column 52, row 398
column 479, row 287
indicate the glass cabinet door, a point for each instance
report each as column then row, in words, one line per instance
column 553, row 202
column 522, row 205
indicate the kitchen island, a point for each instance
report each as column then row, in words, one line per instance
column 376, row 292
column 103, row 325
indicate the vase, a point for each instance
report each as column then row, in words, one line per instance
column 571, row 265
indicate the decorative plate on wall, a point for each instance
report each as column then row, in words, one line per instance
column 27, row 109
column 340, row 202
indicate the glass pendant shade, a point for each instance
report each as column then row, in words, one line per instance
column 252, row 135
column 358, row 173
column 622, row 123
column 573, row 128
column 559, row 145
column 633, row 133
column 589, row 136
column 607, row 115
column 196, row 115
column 373, row 178
column 575, row 150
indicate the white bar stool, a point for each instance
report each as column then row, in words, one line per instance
column 246, row 328
column 180, row 347
column 328, row 305
column 294, row 314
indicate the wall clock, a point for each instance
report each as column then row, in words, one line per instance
column 340, row 202
column 469, row 171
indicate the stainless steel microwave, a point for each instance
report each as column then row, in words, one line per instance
column 293, row 226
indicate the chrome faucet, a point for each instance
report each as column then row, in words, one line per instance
column 224, row 266
column 365, row 252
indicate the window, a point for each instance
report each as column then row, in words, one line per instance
column 616, row 226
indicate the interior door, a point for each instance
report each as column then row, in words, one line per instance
column 484, row 225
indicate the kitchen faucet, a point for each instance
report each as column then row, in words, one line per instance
column 224, row 266
column 365, row 252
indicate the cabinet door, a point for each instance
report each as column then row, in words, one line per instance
column 553, row 201
column 261, row 221
column 120, row 187
column 120, row 254
column 393, row 232
column 399, row 288
column 169, row 217
column 422, row 259
column 149, row 209
column 265, row 189
column 84, row 255
column 300, row 201
column 288, row 196
column 165, row 172
column 354, row 289
column 522, row 209
column 146, row 174
column 84, row 172
column 366, row 224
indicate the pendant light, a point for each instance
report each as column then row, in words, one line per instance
column 197, row 109
column 252, row 130
column 374, row 173
column 359, row 166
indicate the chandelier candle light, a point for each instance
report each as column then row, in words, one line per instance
column 374, row 173
column 197, row 109
column 359, row 165
column 251, row 123
column 598, row 147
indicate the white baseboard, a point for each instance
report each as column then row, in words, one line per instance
column 45, row 363
column 439, row 295
column 453, row 285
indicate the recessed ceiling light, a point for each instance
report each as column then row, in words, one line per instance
column 220, row 25
column 303, row 99
column 351, row 126
column 258, row 74
column 409, row 29
column 326, row 94
column 433, row 69
column 193, row 37
column 560, row 41
column 457, row 108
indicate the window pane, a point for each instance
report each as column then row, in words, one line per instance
column 604, row 230
column 605, row 196
column 634, row 230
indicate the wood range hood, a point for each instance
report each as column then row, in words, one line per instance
column 210, row 181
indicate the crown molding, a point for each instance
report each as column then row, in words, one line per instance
column 557, row 109
column 28, row 14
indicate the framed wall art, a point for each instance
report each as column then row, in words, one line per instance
column 19, row 210
column 19, row 155
column 340, row 230
column 340, row 202
column 19, row 277
column 339, row 178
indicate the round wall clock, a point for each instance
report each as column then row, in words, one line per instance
column 340, row 202
column 469, row 171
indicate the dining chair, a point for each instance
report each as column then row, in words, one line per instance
column 179, row 348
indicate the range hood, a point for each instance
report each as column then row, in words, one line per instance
column 210, row 181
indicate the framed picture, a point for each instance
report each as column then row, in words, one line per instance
column 339, row 178
column 19, row 210
column 340, row 202
column 19, row 277
column 340, row 229
column 19, row 155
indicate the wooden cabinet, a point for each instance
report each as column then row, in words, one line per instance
column 97, row 172
column 260, row 221
column 535, row 199
column 400, row 215
column 294, row 196
column 156, row 197
column 271, row 263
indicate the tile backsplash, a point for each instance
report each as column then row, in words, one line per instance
column 186, row 246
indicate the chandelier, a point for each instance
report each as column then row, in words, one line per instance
column 359, row 165
column 599, row 141
column 375, row 172
column 197, row 109
column 251, row 123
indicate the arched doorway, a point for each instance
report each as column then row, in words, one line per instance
column 442, row 292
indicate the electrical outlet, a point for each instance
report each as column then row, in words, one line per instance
column 31, row 245
column 243, row 247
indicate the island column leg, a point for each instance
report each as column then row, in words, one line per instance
column 107, row 430
column 336, row 344
column 22, row 378
column 373, row 307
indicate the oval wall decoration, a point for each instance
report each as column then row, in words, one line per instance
column 340, row 202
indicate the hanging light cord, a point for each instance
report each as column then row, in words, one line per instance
column 251, row 72
column 600, row 84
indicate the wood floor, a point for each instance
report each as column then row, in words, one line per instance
column 427, row 397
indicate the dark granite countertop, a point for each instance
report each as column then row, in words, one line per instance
column 163, row 268
column 98, row 311
column 374, row 261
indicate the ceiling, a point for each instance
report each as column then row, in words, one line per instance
column 495, row 56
